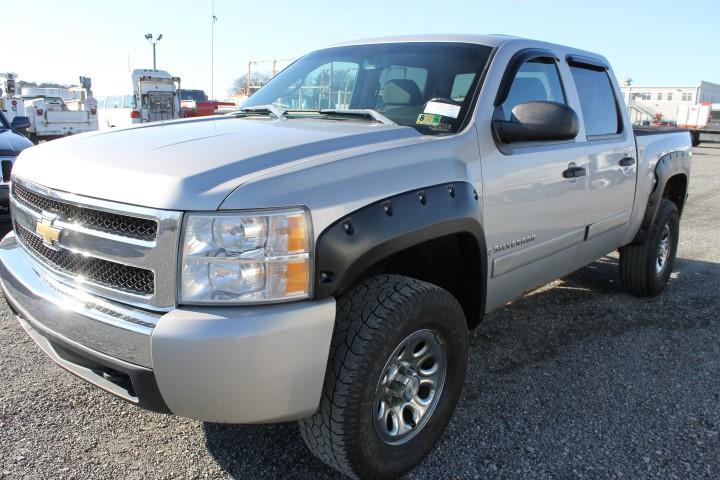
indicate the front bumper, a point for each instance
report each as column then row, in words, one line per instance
column 220, row 364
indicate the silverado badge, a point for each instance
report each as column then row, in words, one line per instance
column 49, row 233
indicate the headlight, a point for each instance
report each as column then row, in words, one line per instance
column 252, row 257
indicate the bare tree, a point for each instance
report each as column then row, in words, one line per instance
column 240, row 84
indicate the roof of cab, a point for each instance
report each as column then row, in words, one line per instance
column 489, row 40
column 492, row 41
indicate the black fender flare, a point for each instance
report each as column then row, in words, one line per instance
column 669, row 165
column 356, row 242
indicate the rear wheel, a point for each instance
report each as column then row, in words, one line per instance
column 395, row 372
column 645, row 269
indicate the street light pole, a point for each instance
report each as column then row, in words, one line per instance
column 212, row 51
column 149, row 38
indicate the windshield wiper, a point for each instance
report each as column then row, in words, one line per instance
column 361, row 112
column 263, row 109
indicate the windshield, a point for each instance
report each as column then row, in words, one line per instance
column 428, row 86
column 195, row 95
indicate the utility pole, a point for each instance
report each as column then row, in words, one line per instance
column 212, row 51
column 149, row 38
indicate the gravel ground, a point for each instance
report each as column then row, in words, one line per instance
column 575, row 380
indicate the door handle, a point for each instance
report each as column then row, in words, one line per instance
column 627, row 162
column 574, row 172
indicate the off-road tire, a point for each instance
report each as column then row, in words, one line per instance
column 373, row 318
column 638, row 262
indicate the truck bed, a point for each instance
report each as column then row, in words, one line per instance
column 643, row 131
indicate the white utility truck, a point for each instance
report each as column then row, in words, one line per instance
column 51, row 118
column 701, row 118
column 10, row 103
column 157, row 95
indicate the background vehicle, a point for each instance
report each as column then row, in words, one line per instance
column 11, row 104
column 699, row 119
column 194, row 103
column 115, row 111
column 50, row 118
column 321, row 254
column 156, row 95
column 12, row 142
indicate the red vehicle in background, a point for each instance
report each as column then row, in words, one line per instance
column 195, row 103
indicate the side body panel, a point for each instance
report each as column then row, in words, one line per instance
column 660, row 157
column 570, row 223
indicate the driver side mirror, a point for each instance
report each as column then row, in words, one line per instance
column 538, row 121
column 20, row 123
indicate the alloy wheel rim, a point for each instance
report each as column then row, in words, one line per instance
column 663, row 251
column 410, row 387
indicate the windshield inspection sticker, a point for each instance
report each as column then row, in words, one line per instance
column 425, row 119
column 444, row 109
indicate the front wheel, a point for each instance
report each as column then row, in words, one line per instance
column 645, row 269
column 395, row 373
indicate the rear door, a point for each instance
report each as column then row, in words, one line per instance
column 612, row 166
column 534, row 218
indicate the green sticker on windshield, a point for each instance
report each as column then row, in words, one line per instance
column 428, row 119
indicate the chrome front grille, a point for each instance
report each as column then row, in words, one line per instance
column 108, row 222
column 95, row 270
column 118, row 251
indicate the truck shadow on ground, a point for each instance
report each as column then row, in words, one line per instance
column 530, row 331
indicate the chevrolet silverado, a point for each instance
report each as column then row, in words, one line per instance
column 320, row 254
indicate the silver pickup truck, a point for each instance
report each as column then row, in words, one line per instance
column 320, row 254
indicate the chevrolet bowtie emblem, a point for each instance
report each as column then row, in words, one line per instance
column 49, row 233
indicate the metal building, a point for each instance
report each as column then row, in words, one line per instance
column 646, row 103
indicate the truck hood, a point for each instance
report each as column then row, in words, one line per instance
column 190, row 164
column 11, row 144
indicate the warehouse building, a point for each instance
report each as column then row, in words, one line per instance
column 645, row 103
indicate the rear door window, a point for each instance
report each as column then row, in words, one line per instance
column 597, row 100
column 537, row 79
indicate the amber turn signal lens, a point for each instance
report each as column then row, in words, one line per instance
column 297, row 234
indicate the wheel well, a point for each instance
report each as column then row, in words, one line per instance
column 452, row 262
column 676, row 190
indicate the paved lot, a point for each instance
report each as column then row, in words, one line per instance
column 575, row 380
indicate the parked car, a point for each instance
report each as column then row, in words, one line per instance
column 12, row 142
column 321, row 254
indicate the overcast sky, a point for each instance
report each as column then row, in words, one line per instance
column 662, row 42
